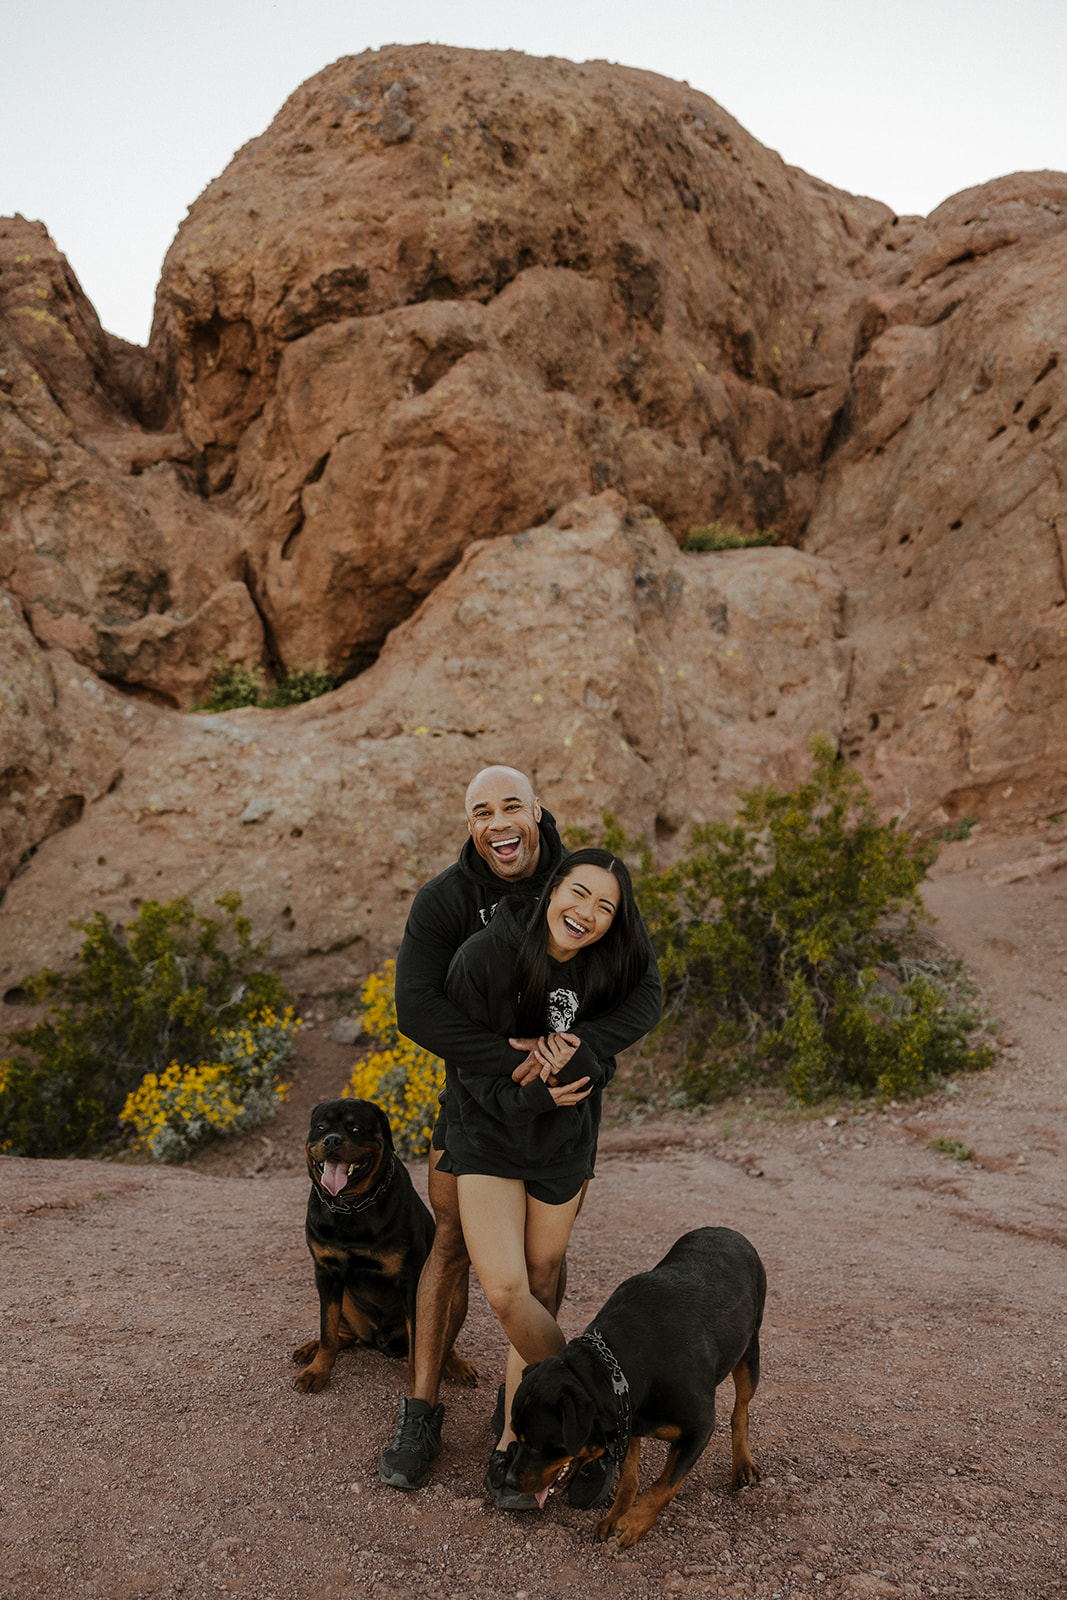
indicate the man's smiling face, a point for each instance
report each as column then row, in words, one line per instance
column 503, row 815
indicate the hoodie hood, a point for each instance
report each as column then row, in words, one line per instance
column 509, row 922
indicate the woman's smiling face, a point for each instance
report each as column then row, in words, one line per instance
column 581, row 910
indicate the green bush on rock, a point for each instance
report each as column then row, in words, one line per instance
column 725, row 536
column 306, row 683
column 234, row 686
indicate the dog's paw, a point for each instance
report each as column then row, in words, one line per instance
column 605, row 1529
column 310, row 1381
column 744, row 1475
column 461, row 1371
column 633, row 1526
column 306, row 1352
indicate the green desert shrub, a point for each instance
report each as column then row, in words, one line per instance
column 786, row 942
column 961, row 828
column 955, row 1149
column 236, row 686
column 725, row 536
column 136, row 1001
column 307, row 683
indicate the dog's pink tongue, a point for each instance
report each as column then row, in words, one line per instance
column 541, row 1495
column 334, row 1176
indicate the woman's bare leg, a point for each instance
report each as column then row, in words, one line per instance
column 516, row 1244
column 512, row 1379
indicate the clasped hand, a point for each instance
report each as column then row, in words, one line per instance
column 545, row 1058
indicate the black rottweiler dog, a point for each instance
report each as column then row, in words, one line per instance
column 649, row 1363
column 369, row 1234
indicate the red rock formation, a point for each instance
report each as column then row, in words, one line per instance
column 944, row 508
column 448, row 290
column 108, row 552
column 443, row 296
column 62, row 737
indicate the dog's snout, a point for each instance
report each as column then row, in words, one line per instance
column 332, row 1141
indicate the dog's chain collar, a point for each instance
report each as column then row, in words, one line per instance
column 596, row 1341
column 345, row 1207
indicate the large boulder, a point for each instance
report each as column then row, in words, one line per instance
column 448, row 290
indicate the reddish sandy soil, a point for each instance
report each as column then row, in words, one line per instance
column 910, row 1425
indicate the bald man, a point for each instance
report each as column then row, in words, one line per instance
column 513, row 850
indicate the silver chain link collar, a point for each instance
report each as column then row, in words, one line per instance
column 623, row 1418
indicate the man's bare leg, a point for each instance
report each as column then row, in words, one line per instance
column 440, row 1308
column 443, row 1287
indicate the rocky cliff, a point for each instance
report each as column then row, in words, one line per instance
column 444, row 366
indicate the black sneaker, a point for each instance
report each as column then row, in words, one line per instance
column 496, row 1421
column 495, row 1476
column 592, row 1484
column 406, row 1463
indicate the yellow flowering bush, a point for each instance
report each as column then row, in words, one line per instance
column 134, row 1000
column 173, row 1110
column 402, row 1078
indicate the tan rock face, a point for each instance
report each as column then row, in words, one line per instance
column 618, row 672
column 944, row 509
column 63, row 735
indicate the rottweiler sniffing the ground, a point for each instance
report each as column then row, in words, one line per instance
column 369, row 1234
column 649, row 1364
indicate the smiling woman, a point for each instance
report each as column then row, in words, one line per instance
column 523, row 1151
column 580, row 910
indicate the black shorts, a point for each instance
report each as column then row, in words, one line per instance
column 554, row 1191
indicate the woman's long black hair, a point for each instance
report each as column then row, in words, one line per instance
column 614, row 965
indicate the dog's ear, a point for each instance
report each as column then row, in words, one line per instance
column 577, row 1414
column 386, row 1130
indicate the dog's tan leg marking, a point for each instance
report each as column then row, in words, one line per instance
column 640, row 1517
column 460, row 1370
column 745, row 1469
column 355, row 1327
column 306, row 1352
column 624, row 1494
column 316, row 1377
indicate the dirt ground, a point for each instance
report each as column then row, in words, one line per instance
column 910, row 1425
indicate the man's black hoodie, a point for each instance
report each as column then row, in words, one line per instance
column 447, row 911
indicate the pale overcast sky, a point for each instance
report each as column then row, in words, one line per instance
column 116, row 113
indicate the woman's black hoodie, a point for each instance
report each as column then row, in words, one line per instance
column 448, row 910
column 493, row 1124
